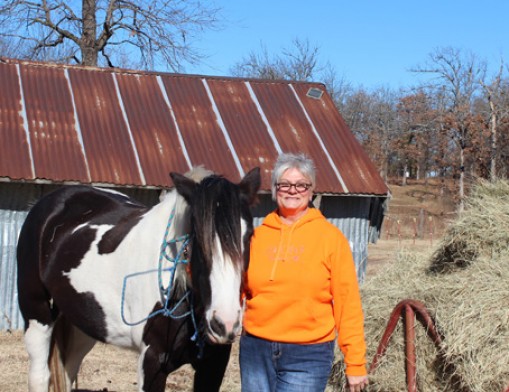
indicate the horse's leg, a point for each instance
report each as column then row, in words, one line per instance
column 78, row 345
column 151, row 371
column 210, row 369
column 38, row 343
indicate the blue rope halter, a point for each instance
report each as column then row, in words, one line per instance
column 166, row 310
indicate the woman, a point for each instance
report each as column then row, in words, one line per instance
column 301, row 289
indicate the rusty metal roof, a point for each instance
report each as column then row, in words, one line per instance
column 66, row 124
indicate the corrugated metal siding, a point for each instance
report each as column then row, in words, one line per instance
column 110, row 154
column 127, row 128
column 248, row 131
column 352, row 216
column 10, row 225
column 154, row 131
column 356, row 230
column 50, row 124
column 15, row 159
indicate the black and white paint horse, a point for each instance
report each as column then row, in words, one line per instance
column 97, row 266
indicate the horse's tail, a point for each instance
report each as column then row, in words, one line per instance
column 56, row 361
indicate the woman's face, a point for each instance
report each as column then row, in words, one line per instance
column 291, row 196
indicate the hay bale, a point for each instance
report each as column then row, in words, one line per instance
column 465, row 285
column 482, row 229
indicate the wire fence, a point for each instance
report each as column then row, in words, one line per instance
column 415, row 225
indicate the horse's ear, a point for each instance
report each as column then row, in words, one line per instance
column 184, row 185
column 250, row 185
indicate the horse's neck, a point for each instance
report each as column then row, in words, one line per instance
column 173, row 213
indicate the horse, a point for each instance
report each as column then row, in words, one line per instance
column 166, row 281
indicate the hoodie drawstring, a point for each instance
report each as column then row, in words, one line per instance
column 280, row 248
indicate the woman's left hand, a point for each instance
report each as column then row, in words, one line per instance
column 357, row 383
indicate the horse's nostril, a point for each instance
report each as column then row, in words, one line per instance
column 217, row 326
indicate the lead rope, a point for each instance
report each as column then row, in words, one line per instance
column 165, row 292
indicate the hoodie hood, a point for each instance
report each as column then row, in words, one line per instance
column 273, row 220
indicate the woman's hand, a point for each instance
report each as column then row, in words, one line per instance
column 357, row 383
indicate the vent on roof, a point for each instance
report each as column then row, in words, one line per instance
column 315, row 93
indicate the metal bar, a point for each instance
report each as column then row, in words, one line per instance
column 410, row 359
column 384, row 342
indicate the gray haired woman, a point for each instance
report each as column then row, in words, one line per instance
column 301, row 293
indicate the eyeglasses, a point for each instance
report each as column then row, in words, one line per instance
column 285, row 187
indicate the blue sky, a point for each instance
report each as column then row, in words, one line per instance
column 369, row 43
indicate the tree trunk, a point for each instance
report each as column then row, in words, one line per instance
column 461, row 184
column 405, row 171
column 493, row 152
column 88, row 45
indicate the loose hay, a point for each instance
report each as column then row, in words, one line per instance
column 465, row 285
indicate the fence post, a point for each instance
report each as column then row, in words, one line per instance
column 430, row 220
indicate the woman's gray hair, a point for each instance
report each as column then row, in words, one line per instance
column 287, row 161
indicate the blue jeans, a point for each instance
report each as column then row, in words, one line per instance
column 267, row 366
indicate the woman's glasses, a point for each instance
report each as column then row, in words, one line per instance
column 286, row 186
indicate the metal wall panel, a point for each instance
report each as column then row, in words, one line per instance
column 15, row 152
column 154, row 130
column 111, row 155
column 51, row 125
column 10, row 225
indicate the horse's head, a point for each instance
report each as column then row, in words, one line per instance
column 222, row 226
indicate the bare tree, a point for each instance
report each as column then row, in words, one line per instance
column 298, row 62
column 457, row 75
column 259, row 65
column 494, row 92
column 372, row 117
column 339, row 88
column 416, row 118
column 152, row 33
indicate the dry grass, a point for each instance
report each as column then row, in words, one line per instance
column 464, row 283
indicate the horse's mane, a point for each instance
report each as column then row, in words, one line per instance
column 219, row 209
column 197, row 173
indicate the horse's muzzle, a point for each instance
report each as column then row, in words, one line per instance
column 222, row 332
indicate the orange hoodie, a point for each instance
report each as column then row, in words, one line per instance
column 302, row 287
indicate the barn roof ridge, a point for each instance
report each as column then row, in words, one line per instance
column 140, row 72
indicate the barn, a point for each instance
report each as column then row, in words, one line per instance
column 128, row 129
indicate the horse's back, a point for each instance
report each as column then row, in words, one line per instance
column 47, row 246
